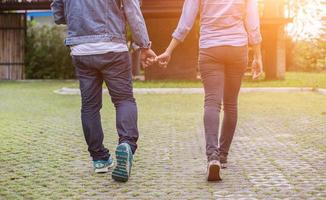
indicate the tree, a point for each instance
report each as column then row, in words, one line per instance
column 308, row 19
column 306, row 42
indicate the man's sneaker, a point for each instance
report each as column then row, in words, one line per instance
column 102, row 166
column 124, row 162
column 213, row 170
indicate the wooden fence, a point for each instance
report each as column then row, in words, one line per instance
column 12, row 45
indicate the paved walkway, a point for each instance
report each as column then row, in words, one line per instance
column 279, row 149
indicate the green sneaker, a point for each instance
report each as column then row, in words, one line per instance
column 124, row 158
column 102, row 166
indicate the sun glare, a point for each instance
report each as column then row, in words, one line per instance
column 308, row 22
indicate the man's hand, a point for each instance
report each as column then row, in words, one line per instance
column 163, row 59
column 147, row 57
column 257, row 68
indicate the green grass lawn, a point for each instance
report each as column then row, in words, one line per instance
column 279, row 149
column 293, row 79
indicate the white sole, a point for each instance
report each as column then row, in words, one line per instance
column 224, row 165
column 105, row 169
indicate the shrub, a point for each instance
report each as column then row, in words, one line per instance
column 46, row 55
column 306, row 55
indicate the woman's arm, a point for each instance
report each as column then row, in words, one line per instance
column 252, row 22
column 164, row 59
column 187, row 19
column 257, row 64
column 252, row 25
column 186, row 22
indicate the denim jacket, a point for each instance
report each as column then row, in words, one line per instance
column 92, row 21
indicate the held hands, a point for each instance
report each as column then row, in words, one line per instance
column 164, row 59
column 148, row 58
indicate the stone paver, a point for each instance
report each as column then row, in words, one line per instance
column 279, row 149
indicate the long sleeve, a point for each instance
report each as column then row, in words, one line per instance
column 57, row 7
column 136, row 22
column 252, row 23
column 187, row 20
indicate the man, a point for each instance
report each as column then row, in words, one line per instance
column 97, row 38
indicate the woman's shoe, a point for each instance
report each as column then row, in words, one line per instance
column 223, row 161
column 213, row 170
column 224, row 165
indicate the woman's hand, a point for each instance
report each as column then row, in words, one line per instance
column 257, row 68
column 163, row 59
column 257, row 64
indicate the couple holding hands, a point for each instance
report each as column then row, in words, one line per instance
column 97, row 39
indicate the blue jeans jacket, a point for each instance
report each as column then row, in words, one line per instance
column 101, row 21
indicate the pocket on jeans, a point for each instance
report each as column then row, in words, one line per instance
column 241, row 56
column 204, row 57
column 207, row 61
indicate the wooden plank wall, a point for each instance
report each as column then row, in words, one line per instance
column 162, row 18
column 162, row 8
column 12, row 45
column 183, row 65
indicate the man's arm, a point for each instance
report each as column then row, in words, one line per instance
column 57, row 7
column 136, row 23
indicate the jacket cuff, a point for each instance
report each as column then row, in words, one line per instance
column 137, row 46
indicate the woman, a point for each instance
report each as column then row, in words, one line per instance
column 227, row 28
